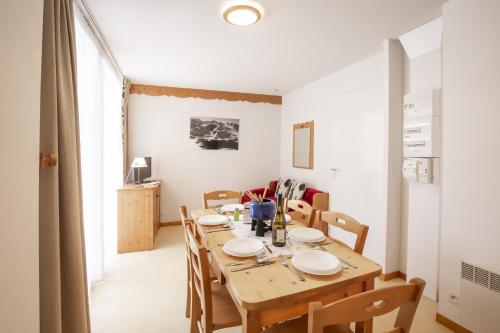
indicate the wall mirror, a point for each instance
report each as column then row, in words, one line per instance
column 303, row 145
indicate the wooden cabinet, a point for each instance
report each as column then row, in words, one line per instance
column 138, row 217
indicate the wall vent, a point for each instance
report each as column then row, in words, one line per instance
column 479, row 299
column 467, row 272
column 495, row 282
column 481, row 277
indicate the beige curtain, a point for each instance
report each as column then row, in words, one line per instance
column 63, row 285
column 125, row 95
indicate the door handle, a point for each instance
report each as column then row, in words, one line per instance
column 47, row 160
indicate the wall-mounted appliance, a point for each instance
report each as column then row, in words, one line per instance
column 422, row 124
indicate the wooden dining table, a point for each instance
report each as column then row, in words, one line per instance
column 271, row 294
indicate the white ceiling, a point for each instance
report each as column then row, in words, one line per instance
column 185, row 43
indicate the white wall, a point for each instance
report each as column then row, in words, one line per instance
column 421, row 73
column 471, row 143
column 20, row 68
column 420, row 205
column 159, row 127
column 350, row 113
column 393, row 150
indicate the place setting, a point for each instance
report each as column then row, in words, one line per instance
column 229, row 208
column 255, row 252
column 297, row 255
column 315, row 240
column 215, row 223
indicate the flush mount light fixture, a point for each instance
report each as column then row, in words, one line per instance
column 243, row 12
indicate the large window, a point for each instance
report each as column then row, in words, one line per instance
column 99, row 103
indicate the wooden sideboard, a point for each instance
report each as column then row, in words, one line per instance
column 138, row 216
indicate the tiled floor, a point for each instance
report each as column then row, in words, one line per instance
column 145, row 293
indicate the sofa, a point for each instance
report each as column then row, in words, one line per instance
column 316, row 198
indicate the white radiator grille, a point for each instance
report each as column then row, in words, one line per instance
column 479, row 299
column 495, row 282
column 481, row 276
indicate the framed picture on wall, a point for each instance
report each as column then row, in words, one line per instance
column 208, row 133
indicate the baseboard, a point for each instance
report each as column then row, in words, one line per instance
column 169, row 223
column 393, row 275
column 457, row 328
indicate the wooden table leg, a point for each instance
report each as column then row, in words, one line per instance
column 366, row 326
column 251, row 322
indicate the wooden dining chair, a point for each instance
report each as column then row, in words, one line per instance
column 301, row 211
column 187, row 224
column 349, row 224
column 221, row 195
column 212, row 308
column 337, row 317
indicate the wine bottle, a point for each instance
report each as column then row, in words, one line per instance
column 279, row 224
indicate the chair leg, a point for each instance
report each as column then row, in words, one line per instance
column 195, row 313
column 188, row 293
column 188, row 301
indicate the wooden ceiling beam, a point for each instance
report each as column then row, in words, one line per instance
column 204, row 94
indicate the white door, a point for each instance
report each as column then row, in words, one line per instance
column 357, row 153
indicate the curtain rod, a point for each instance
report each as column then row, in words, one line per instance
column 96, row 30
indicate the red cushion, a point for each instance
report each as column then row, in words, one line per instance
column 307, row 197
column 309, row 194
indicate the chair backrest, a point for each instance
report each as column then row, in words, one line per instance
column 302, row 211
column 183, row 213
column 221, row 195
column 200, row 282
column 365, row 306
column 187, row 221
column 186, row 225
column 348, row 224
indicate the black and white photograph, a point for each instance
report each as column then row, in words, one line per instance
column 209, row 133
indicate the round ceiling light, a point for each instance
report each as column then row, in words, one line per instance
column 242, row 13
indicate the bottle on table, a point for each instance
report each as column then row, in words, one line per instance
column 236, row 215
column 279, row 224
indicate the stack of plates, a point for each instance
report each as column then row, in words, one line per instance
column 243, row 247
column 316, row 262
column 212, row 220
column 232, row 207
column 306, row 235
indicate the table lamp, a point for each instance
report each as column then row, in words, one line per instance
column 138, row 162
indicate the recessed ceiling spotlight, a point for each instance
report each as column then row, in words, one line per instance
column 242, row 12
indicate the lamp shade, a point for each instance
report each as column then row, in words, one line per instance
column 139, row 162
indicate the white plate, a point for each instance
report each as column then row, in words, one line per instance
column 243, row 247
column 231, row 207
column 316, row 262
column 303, row 234
column 212, row 220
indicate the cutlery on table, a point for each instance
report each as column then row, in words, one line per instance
column 347, row 262
column 267, row 247
column 218, row 230
column 299, row 276
column 220, row 226
column 218, row 209
column 237, row 269
column 344, row 264
column 258, row 260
